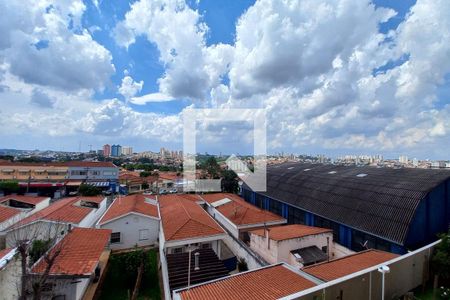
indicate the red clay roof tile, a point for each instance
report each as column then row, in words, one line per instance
column 125, row 205
column 240, row 212
column 264, row 284
column 184, row 219
column 80, row 252
column 343, row 266
column 287, row 232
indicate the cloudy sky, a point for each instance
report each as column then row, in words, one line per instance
column 334, row 76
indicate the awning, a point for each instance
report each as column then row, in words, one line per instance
column 7, row 170
column 40, row 170
column 99, row 183
column 24, row 170
column 309, row 255
column 41, row 184
column 73, row 183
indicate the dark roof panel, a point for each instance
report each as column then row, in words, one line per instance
column 382, row 201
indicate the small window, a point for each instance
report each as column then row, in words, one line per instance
column 115, row 237
column 143, row 234
column 177, row 250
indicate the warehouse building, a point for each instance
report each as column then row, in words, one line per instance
column 394, row 210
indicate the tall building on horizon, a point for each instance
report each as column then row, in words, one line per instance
column 127, row 150
column 107, row 150
column 116, row 150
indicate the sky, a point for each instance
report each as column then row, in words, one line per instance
column 334, row 77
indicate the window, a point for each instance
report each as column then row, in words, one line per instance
column 177, row 250
column 79, row 173
column 143, row 234
column 95, row 172
column 115, row 237
column 206, row 246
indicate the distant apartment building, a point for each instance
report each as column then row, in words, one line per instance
column 107, row 150
column 116, row 150
column 58, row 177
column 403, row 159
column 127, row 150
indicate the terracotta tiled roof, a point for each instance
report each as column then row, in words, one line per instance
column 239, row 212
column 287, row 232
column 268, row 283
column 26, row 199
column 7, row 212
column 340, row 267
column 95, row 199
column 125, row 205
column 80, row 252
column 4, row 252
column 184, row 219
column 168, row 176
column 63, row 210
column 90, row 164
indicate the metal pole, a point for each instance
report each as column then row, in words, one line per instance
column 189, row 267
column 382, row 286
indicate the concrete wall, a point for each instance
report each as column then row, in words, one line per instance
column 129, row 227
column 67, row 288
column 280, row 251
column 10, row 280
column 40, row 230
column 406, row 273
column 163, row 266
column 25, row 213
column 242, row 251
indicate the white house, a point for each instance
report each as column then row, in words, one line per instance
column 238, row 216
column 10, row 272
column 14, row 208
column 134, row 221
column 297, row 245
column 57, row 218
column 73, row 275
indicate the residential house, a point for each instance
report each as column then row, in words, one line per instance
column 14, row 208
column 238, row 216
column 134, row 221
column 78, row 266
column 58, row 218
column 188, row 237
column 297, row 245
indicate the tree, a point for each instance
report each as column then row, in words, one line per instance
column 88, row 190
column 440, row 262
column 229, row 181
column 212, row 167
column 32, row 242
column 9, row 186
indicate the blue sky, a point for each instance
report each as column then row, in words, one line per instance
column 334, row 77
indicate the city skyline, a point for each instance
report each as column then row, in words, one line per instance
column 370, row 77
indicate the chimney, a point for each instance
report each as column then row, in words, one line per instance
column 196, row 261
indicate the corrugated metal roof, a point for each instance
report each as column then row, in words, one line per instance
column 382, row 203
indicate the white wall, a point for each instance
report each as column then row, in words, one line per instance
column 25, row 213
column 67, row 287
column 129, row 227
column 280, row 251
column 241, row 251
column 94, row 215
column 10, row 280
column 40, row 230
column 223, row 221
